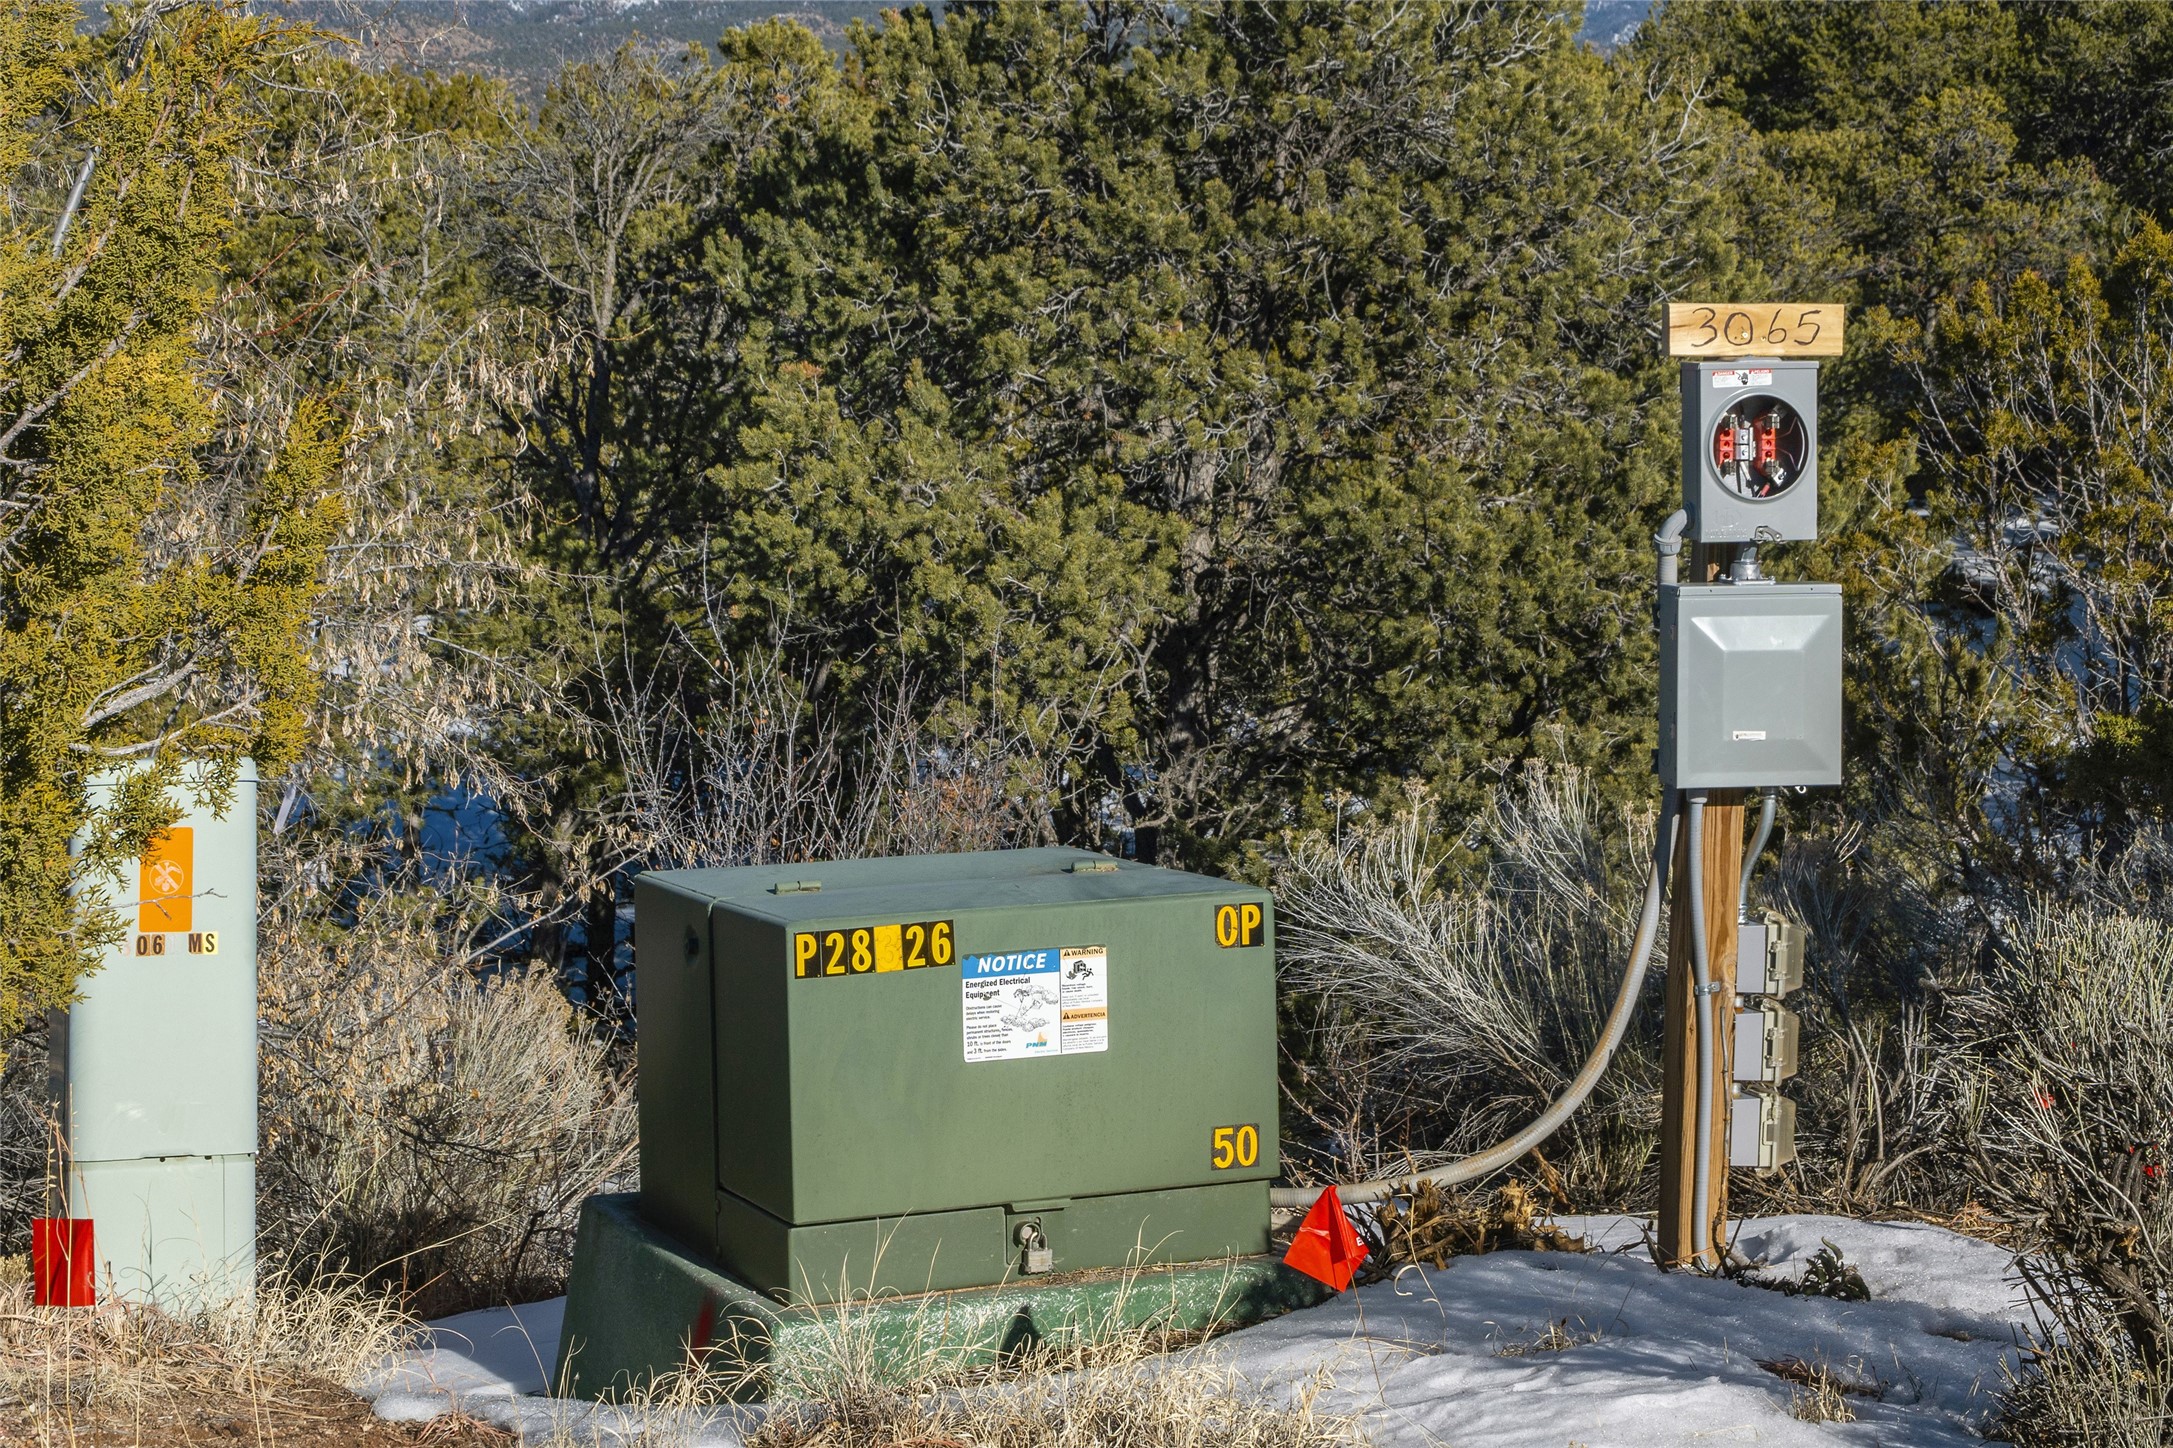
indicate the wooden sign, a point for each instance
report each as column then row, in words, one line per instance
column 1754, row 329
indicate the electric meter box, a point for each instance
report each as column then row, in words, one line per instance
column 1750, row 450
column 1750, row 685
column 943, row 1071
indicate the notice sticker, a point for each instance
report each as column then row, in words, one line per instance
column 1741, row 735
column 1731, row 379
column 1020, row 1004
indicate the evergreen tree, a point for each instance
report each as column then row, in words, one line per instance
column 1322, row 338
column 155, row 570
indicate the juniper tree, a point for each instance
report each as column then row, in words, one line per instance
column 153, row 585
column 1323, row 334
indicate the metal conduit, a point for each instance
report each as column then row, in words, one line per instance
column 1757, row 847
column 1701, row 969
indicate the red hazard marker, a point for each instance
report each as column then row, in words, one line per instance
column 1327, row 1246
column 62, row 1265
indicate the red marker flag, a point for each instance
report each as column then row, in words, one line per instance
column 1327, row 1246
column 62, row 1262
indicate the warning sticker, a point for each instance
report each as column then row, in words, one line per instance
column 1025, row 1003
column 1085, row 991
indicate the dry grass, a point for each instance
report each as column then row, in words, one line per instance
column 263, row 1372
column 1820, row 1401
column 1820, row 1395
column 1505, row 939
column 1559, row 1336
column 1433, row 1226
column 1185, row 1405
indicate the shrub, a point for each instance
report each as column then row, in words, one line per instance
column 2066, row 1086
column 425, row 1125
column 2088, row 1390
column 26, row 1136
column 1451, row 984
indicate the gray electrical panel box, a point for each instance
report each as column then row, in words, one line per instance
column 1750, row 685
column 1750, row 450
column 155, row 1067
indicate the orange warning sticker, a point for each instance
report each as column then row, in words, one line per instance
column 166, row 883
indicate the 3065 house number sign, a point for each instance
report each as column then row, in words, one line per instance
column 1754, row 329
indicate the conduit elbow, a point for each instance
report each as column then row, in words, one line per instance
column 1668, row 542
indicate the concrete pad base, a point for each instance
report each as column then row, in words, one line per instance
column 642, row 1307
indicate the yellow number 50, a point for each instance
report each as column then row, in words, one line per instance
column 1234, row 1146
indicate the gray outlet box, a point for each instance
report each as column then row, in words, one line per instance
column 1766, row 1038
column 1750, row 685
column 1750, row 450
column 1761, row 1131
column 1768, row 955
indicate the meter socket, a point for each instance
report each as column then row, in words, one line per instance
column 1750, row 450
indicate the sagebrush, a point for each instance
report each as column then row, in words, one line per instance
column 1450, row 982
column 426, row 1121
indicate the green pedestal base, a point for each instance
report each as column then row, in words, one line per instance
column 642, row 1306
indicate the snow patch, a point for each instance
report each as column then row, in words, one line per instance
column 1508, row 1350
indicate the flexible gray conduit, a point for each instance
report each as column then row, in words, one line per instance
column 1669, row 542
column 1757, row 848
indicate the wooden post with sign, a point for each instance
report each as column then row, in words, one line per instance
column 1714, row 330
column 1754, row 329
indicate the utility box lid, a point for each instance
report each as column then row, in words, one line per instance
column 978, row 880
column 1750, row 685
column 867, row 1039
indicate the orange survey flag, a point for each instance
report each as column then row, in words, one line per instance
column 1327, row 1246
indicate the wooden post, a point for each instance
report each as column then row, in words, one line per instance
column 1723, row 866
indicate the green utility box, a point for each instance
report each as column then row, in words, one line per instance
column 936, row 1072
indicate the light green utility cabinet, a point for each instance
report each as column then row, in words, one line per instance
column 156, row 1066
column 944, row 1071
